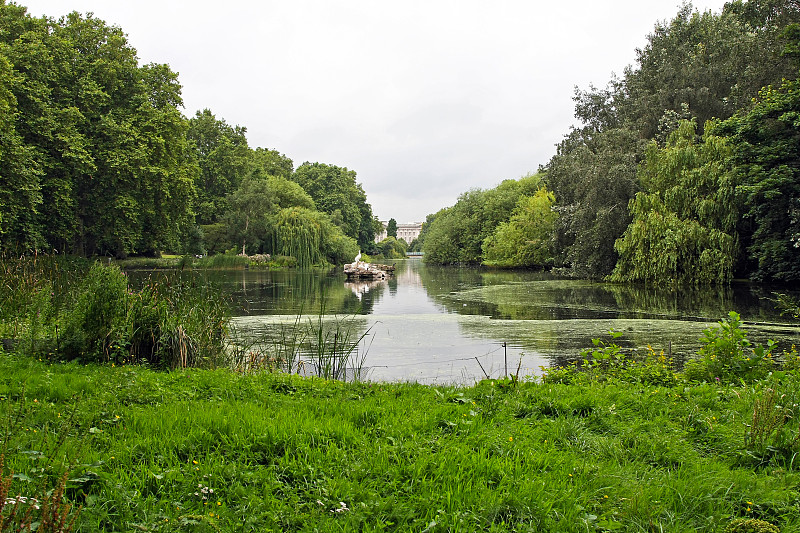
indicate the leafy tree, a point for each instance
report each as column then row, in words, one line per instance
column 391, row 228
column 593, row 177
column 311, row 238
column 766, row 153
column 19, row 177
column 336, row 192
column 271, row 163
column 254, row 205
column 224, row 159
column 710, row 63
column 392, row 248
column 525, row 240
column 457, row 233
column 694, row 66
column 101, row 136
column 684, row 223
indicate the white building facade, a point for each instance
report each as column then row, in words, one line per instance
column 408, row 231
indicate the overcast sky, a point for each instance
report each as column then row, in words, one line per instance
column 424, row 99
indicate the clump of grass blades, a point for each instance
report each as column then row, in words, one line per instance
column 66, row 309
column 335, row 350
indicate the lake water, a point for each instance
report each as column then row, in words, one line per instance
column 448, row 324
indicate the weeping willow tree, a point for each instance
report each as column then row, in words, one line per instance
column 684, row 225
column 311, row 238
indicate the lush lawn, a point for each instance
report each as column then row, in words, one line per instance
column 210, row 450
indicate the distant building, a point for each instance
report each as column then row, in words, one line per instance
column 408, row 231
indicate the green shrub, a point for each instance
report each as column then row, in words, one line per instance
column 95, row 325
column 727, row 355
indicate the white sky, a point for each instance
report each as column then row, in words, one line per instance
column 424, row 99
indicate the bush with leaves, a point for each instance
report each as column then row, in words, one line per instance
column 727, row 355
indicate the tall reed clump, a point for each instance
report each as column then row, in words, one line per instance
column 176, row 321
column 33, row 290
column 335, row 348
column 331, row 347
column 94, row 315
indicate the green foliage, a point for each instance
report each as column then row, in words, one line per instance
column 608, row 362
column 593, row 177
column 787, row 305
column 336, row 192
column 94, row 327
column 62, row 308
column 769, row 439
column 525, row 240
column 253, row 208
column 683, row 228
column 456, row 234
column 311, row 238
column 224, row 159
column 728, row 355
column 391, row 248
column 696, row 66
column 391, row 228
column 271, row 163
column 765, row 151
column 96, row 161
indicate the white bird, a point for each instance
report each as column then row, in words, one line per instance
column 358, row 257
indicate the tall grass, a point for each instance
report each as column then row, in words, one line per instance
column 327, row 346
column 72, row 309
column 213, row 450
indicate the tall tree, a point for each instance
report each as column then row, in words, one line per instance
column 103, row 134
column 457, row 233
column 593, row 177
column 766, row 152
column 684, row 223
column 525, row 240
column 224, row 159
column 336, row 192
column 391, row 228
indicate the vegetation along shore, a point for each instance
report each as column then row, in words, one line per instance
column 138, row 407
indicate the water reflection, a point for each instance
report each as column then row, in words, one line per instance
column 431, row 323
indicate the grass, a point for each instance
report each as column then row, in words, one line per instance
column 213, row 450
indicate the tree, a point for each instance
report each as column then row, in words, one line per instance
column 456, row 234
column 391, row 228
column 766, row 153
column 254, row 205
column 311, row 238
column 101, row 137
column 525, row 240
column 593, row 177
column 336, row 192
column 271, row 163
column 224, row 160
column 19, row 177
column 684, row 223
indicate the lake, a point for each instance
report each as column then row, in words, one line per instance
column 436, row 324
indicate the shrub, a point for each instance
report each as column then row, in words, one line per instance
column 727, row 354
column 95, row 325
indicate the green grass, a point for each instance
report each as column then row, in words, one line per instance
column 146, row 449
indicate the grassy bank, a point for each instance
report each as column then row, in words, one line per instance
column 211, row 450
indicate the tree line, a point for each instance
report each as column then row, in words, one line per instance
column 97, row 158
column 683, row 170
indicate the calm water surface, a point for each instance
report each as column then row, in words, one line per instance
column 448, row 324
